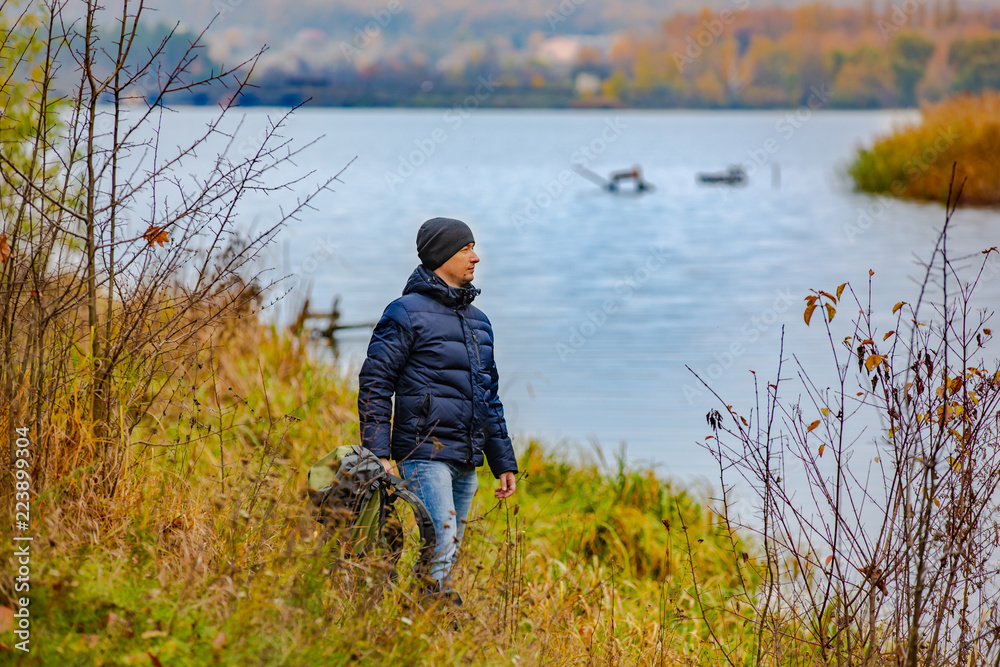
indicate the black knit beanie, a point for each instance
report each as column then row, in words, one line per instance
column 440, row 238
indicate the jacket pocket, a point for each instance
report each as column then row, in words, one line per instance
column 422, row 413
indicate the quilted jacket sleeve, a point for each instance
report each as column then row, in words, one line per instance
column 498, row 449
column 387, row 353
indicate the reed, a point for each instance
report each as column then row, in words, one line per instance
column 915, row 161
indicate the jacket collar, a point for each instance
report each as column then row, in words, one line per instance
column 423, row 281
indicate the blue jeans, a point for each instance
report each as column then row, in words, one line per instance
column 447, row 490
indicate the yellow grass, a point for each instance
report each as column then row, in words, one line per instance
column 916, row 161
column 207, row 551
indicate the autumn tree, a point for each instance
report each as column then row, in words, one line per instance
column 775, row 78
column 121, row 244
column 909, row 53
column 976, row 63
column 862, row 79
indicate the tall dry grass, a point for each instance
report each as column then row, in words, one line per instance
column 915, row 161
column 209, row 553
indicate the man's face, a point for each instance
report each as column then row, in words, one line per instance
column 458, row 271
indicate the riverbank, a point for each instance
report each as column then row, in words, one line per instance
column 206, row 552
column 915, row 162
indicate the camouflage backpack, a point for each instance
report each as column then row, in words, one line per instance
column 349, row 488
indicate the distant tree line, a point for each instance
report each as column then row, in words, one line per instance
column 907, row 53
column 896, row 55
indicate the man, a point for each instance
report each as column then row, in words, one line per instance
column 434, row 350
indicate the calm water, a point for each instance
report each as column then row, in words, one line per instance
column 599, row 301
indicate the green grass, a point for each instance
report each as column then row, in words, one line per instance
column 208, row 555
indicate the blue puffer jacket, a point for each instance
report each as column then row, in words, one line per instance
column 434, row 350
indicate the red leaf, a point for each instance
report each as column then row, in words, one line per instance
column 4, row 248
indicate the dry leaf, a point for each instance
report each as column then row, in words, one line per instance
column 809, row 312
column 840, row 290
column 896, row 308
column 155, row 235
column 824, row 411
column 830, row 312
column 876, row 576
column 873, row 361
column 829, row 559
column 148, row 634
column 821, row 448
column 4, row 248
column 877, row 459
column 220, row 641
column 812, row 426
column 887, row 334
column 870, row 273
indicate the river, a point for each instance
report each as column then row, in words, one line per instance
column 598, row 301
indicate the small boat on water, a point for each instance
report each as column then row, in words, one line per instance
column 625, row 181
column 735, row 175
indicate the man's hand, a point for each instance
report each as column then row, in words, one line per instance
column 507, row 486
column 389, row 468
